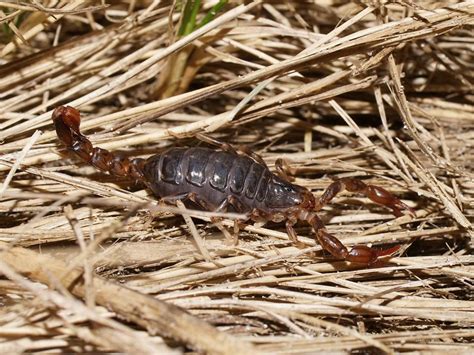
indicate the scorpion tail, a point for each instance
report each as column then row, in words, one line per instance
column 67, row 121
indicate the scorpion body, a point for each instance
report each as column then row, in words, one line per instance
column 223, row 180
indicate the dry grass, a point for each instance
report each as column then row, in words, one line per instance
column 374, row 89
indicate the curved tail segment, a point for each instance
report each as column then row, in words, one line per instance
column 67, row 121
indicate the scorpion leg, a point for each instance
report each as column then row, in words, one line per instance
column 181, row 197
column 223, row 207
column 284, row 170
column 214, row 220
column 358, row 254
column 224, row 146
column 188, row 196
column 292, row 234
column 192, row 196
column 245, row 150
column 228, row 148
column 375, row 193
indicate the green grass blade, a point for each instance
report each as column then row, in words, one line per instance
column 212, row 12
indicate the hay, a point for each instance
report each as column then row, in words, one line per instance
column 377, row 90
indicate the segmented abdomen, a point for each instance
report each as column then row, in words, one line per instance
column 212, row 175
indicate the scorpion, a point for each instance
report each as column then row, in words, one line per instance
column 224, row 179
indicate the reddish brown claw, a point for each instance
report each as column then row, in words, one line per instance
column 358, row 254
column 383, row 197
column 365, row 255
column 388, row 252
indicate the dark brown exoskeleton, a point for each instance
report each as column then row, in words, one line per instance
column 223, row 180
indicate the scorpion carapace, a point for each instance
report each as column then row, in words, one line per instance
column 224, row 180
